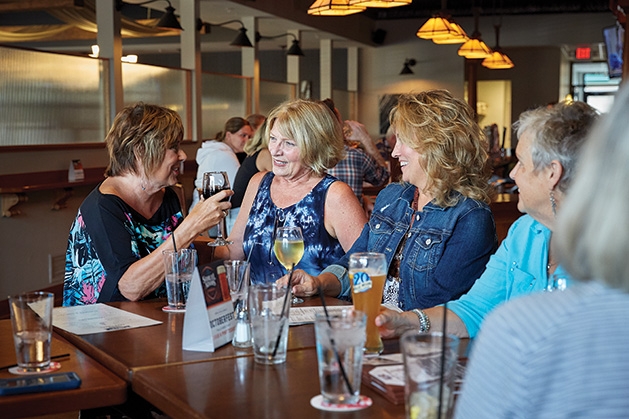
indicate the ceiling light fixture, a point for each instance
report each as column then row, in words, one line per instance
column 380, row 3
column 474, row 47
column 241, row 39
column 167, row 21
column 410, row 62
column 441, row 29
column 498, row 60
column 334, row 8
column 294, row 49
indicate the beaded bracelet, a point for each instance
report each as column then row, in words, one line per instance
column 424, row 320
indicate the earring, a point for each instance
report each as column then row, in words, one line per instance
column 553, row 202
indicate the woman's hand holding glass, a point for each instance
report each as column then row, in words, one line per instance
column 209, row 212
column 289, row 249
column 214, row 183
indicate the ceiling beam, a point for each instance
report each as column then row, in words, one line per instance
column 35, row 5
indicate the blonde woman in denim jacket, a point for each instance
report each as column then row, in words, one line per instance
column 435, row 227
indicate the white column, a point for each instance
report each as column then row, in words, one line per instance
column 110, row 46
column 191, row 60
column 251, row 63
column 325, row 68
column 352, row 79
column 292, row 61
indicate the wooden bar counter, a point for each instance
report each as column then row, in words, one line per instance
column 99, row 387
column 241, row 388
column 127, row 351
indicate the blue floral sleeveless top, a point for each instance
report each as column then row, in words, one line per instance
column 320, row 249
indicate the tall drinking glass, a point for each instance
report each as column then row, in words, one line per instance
column 367, row 274
column 289, row 249
column 213, row 183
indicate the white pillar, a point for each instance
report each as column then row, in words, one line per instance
column 325, row 68
column 110, row 46
column 292, row 61
column 191, row 60
column 251, row 64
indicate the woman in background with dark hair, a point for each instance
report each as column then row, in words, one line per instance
column 219, row 155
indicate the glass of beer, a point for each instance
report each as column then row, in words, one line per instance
column 367, row 274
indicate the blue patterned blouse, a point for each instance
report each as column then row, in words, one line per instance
column 321, row 249
column 106, row 238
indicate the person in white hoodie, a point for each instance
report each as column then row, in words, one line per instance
column 220, row 155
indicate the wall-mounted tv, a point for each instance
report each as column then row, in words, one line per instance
column 614, row 40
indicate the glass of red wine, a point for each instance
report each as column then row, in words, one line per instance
column 213, row 183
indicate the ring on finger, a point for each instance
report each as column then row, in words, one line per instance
column 224, row 214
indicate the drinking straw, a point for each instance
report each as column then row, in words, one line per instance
column 52, row 358
column 333, row 344
column 288, row 291
column 443, row 358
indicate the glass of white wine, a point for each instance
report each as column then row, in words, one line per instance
column 289, row 249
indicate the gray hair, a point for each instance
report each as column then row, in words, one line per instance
column 592, row 226
column 558, row 132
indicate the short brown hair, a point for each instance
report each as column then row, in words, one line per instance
column 142, row 132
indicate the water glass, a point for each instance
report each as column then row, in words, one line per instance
column 427, row 384
column 179, row 267
column 269, row 307
column 31, row 318
column 556, row 283
column 237, row 272
column 340, row 341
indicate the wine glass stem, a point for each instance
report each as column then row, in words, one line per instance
column 221, row 229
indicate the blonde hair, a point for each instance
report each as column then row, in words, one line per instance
column 142, row 132
column 453, row 147
column 592, row 224
column 258, row 141
column 314, row 128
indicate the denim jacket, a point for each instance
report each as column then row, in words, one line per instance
column 446, row 250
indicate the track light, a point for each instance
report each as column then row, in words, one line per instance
column 407, row 66
column 294, row 49
column 241, row 39
column 168, row 19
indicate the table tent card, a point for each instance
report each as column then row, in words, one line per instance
column 209, row 321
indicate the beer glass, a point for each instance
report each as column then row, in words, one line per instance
column 367, row 274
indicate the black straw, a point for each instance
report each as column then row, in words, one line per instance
column 288, row 291
column 443, row 358
column 336, row 353
column 52, row 358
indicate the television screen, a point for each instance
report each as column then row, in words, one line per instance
column 614, row 37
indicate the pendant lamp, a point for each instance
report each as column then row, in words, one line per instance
column 475, row 48
column 498, row 59
column 333, row 8
column 380, row 3
column 441, row 29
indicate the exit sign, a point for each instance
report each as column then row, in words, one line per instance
column 583, row 53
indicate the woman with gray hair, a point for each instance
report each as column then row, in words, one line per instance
column 549, row 140
column 564, row 354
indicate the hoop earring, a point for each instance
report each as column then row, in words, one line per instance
column 553, row 202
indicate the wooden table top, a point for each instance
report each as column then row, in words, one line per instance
column 239, row 387
column 127, row 351
column 99, row 386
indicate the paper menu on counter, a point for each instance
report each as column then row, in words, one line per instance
column 306, row 315
column 97, row 318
